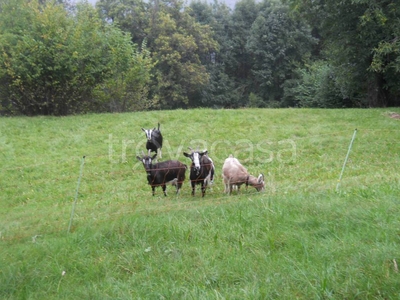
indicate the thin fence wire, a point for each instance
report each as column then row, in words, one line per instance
column 101, row 156
column 76, row 194
column 184, row 201
column 214, row 194
column 90, row 176
column 57, row 162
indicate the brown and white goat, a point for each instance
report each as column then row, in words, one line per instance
column 234, row 174
column 163, row 173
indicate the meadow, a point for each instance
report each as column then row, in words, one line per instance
column 307, row 236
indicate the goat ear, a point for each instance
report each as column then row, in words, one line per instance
column 139, row 158
column 158, row 126
column 187, row 155
column 143, row 129
column 154, row 156
column 205, row 152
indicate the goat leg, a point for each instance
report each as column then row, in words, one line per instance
column 203, row 189
column 178, row 186
column 193, row 187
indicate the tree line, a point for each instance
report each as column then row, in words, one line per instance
column 60, row 58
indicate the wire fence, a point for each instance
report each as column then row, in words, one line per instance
column 93, row 160
column 126, row 188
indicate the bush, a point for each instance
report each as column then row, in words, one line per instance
column 53, row 59
column 316, row 87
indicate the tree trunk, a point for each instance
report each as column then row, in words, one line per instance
column 377, row 95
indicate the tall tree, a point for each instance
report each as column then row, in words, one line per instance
column 278, row 46
column 177, row 43
column 239, row 63
column 361, row 41
column 130, row 15
column 222, row 90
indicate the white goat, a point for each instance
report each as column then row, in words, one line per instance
column 234, row 174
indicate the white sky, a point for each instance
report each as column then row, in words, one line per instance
column 230, row 3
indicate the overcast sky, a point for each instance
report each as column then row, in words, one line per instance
column 230, row 3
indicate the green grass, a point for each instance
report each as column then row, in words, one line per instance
column 300, row 239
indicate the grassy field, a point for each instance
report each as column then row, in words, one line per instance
column 301, row 239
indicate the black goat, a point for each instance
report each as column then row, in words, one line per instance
column 163, row 173
column 154, row 140
column 201, row 171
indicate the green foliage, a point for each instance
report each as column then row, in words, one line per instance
column 300, row 239
column 278, row 45
column 240, row 62
column 127, row 86
column 178, row 42
column 130, row 15
column 260, row 48
column 52, row 65
column 57, row 57
column 229, row 66
column 316, row 87
column 35, row 61
column 255, row 101
column 386, row 54
column 360, row 40
column 221, row 92
column 223, row 89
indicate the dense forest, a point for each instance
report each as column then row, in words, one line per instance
column 61, row 57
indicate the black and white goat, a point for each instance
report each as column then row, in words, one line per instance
column 201, row 170
column 163, row 173
column 234, row 174
column 154, row 140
